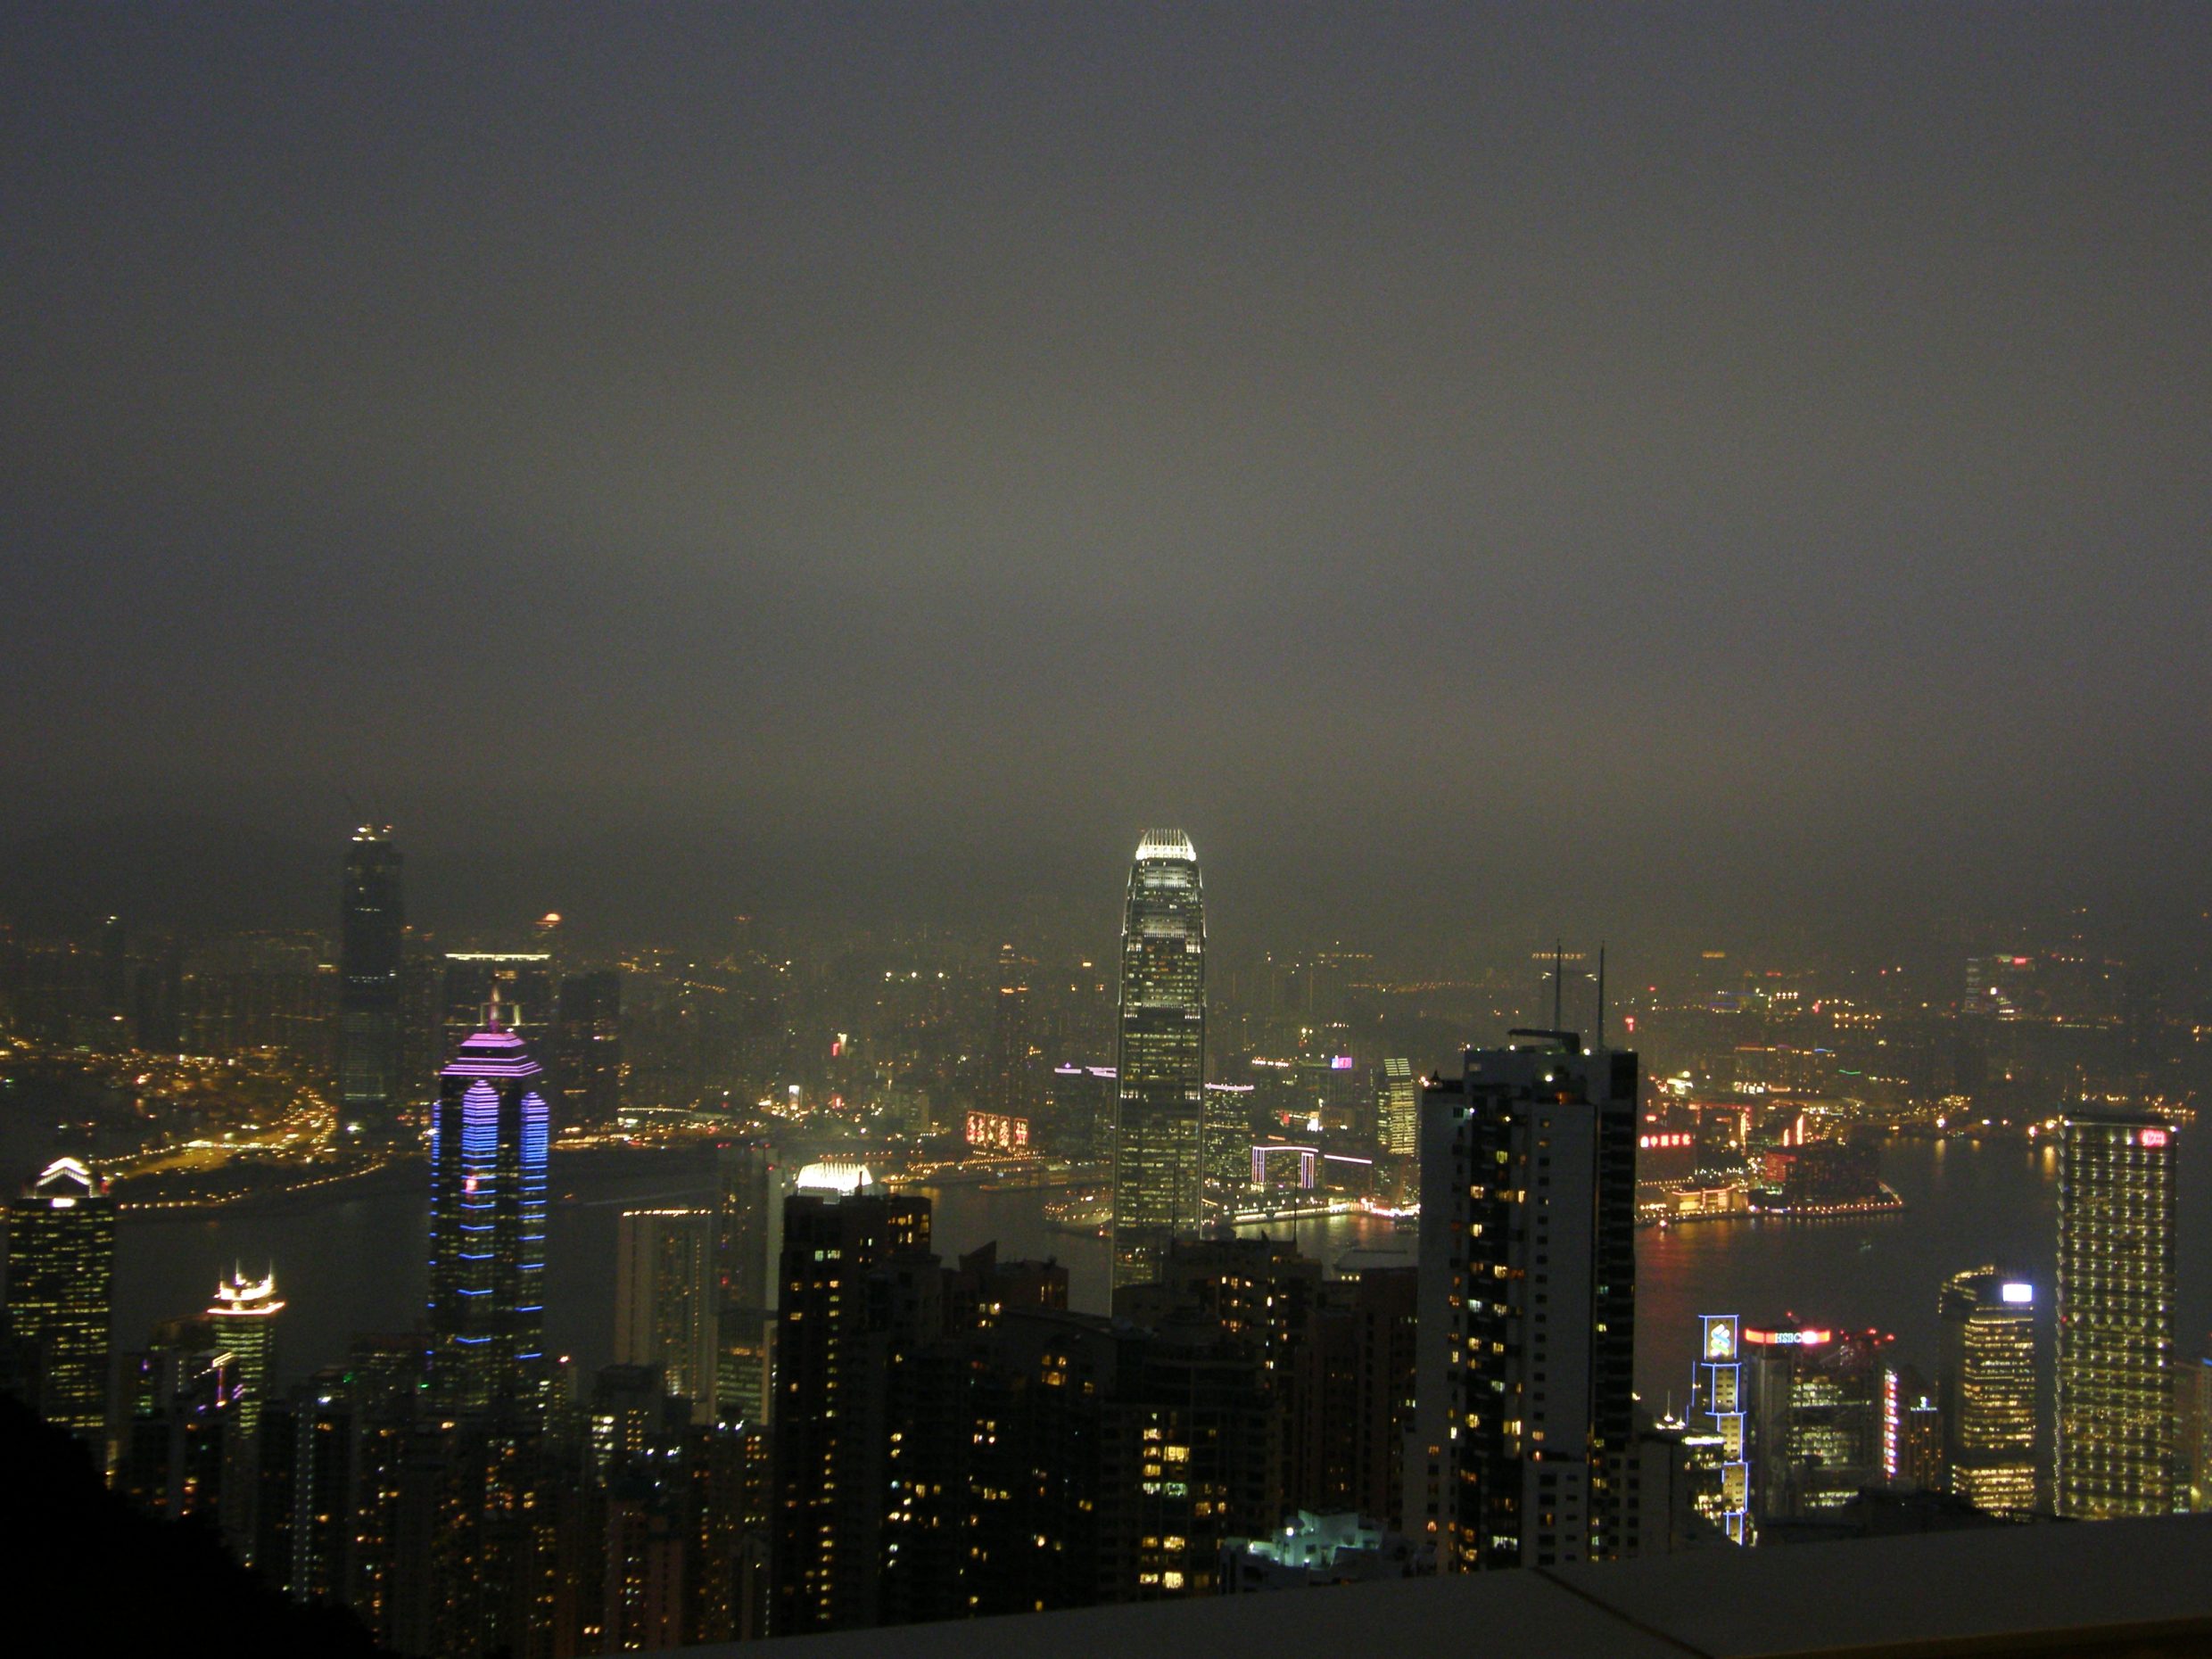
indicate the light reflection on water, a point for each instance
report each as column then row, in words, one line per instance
column 356, row 1263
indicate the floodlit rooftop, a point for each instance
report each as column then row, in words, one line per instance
column 838, row 1176
column 2142, row 1589
column 1166, row 844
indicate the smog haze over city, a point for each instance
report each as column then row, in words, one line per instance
column 818, row 817
column 1732, row 471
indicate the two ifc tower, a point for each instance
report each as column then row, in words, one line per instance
column 1160, row 1152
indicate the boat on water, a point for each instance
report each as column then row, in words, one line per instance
column 1089, row 1212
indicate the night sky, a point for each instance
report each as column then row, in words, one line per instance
column 1474, row 467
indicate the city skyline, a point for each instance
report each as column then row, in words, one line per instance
column 600, row 595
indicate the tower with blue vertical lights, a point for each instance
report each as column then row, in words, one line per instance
column 1716, row 1423
column 487, row 1226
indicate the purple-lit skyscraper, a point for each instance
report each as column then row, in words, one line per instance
column 487, row 1227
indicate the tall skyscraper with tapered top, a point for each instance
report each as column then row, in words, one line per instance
column 2116, row 1441
column 372, row 1090
column 61, row 1266
column 1161, row 1067
column 487, row 1226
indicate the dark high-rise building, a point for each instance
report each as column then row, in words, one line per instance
column 859, row 1293
column 1160, row 1087
column 60, row 1283
column 373, row 1091
column 1985, row 1388
column 1349, row 1401
column 666, row 1300
column 2116, row 1442
column 1525, row 1424
column 487, row 1227
column 750, row 1184
column 587, row 1053
column 1010, row 1085
column 1260, row 1292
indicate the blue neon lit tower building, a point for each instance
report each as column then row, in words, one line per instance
column 487, row 1227
column 1716, row 1424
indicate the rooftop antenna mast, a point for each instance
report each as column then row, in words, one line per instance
column 1601, row 994
column 1558, row 979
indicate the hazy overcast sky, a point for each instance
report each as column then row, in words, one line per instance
column 1528, row 462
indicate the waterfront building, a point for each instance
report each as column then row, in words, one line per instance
column 1717, row 1424
column 1226, row 1126
column 61, row 1285
column 1161, row 1067
column 1986, row 1382
column 665, row 1299
column 588, row 1049
column 1397, row 1109
column 1009, row 1082
column 2115, row 1453
column 859, row 1292
column 373, row 1088
column 243, row 1322
column 1525, row 1422
column 490, row 1135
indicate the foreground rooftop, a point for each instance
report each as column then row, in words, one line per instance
column 2142, row 1589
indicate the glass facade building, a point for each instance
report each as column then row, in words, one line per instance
column 372, row 1087
column 1160, row 1089
column 487, row 1227
column 2115, row 1440
column 1986, row 1384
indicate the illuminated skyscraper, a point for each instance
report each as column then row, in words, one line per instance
column 487, row 1226
column 1986, row 1382
column 1397, row 1109
column 242, row 1323
column 1815, row 1399
column 372, row 1089
column 1716, row 1423
column 664, row 1300
column 61, row 1282
column 1524, row 1422
column 2115, row 1452
column 1161, row 1068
